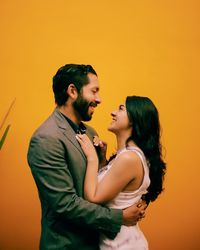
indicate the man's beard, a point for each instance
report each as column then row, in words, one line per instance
column 81, row 105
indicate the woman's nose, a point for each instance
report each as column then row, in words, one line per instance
column 113, row 113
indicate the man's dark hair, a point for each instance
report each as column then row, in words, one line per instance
column 76, row 74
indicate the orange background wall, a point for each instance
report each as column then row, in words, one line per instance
column 137, row 47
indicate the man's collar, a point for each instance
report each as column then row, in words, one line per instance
column 78, row 129
column 82, row 128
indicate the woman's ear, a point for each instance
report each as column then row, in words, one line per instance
column 72, row 91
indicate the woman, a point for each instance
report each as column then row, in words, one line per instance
column 136, row 169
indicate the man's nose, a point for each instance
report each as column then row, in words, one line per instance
column 98, row 99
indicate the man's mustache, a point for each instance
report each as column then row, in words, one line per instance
column 93, row 104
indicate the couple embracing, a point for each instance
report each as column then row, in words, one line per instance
column 88, row 202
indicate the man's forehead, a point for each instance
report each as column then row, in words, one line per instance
column 93, row 81
column 92, row 77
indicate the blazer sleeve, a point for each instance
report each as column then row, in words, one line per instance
column 46, row 158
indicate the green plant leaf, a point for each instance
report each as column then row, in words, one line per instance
column 8, row 127
column 6, row 115
column 4, row 136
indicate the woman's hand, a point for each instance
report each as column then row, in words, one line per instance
column 87, row 146
column 101, row 147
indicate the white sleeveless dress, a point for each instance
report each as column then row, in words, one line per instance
column 129, row 238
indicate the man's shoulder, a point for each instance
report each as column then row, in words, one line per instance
column 48, row 126
column 46, row 136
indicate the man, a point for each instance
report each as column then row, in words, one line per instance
column 58, row 166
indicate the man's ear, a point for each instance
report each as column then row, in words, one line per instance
column 72, row 91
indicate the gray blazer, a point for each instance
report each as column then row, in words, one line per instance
column 58, row 166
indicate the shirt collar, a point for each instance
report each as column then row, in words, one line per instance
column 78, row 129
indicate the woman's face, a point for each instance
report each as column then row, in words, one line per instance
column 120, row 121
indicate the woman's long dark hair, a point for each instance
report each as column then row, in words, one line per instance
column 144, row 118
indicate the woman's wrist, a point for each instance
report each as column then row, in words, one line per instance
column 92, row 160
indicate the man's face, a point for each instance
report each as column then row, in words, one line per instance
column 88, row 99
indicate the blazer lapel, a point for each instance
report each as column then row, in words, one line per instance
column 67, row 130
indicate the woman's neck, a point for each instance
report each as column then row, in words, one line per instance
column 122, row 142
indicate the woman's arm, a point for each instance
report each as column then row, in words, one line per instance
column 125, row 169
column 90, row 183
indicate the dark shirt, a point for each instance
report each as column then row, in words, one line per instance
column 78, row 129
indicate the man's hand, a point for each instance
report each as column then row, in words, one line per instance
column 133, row 214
